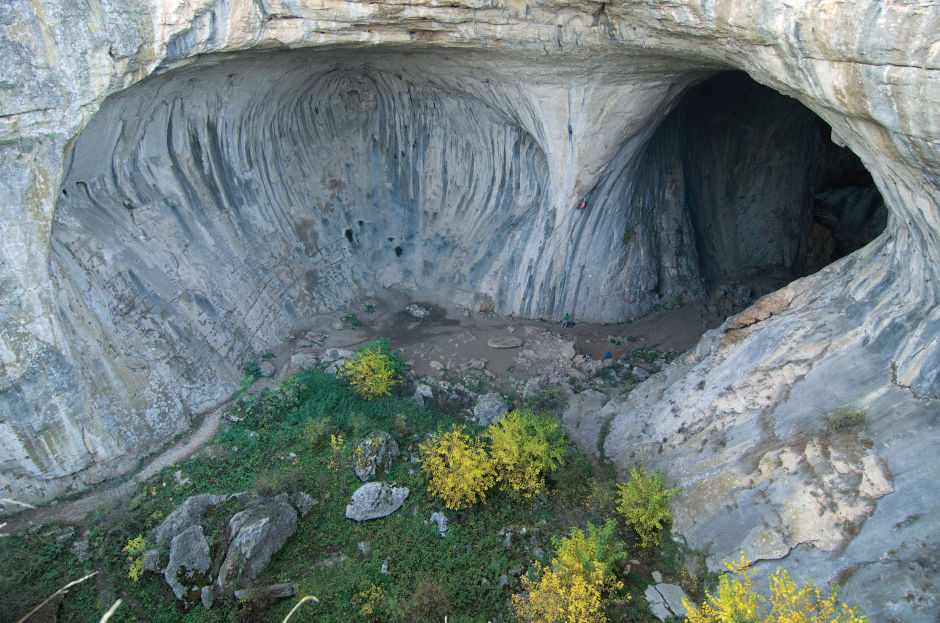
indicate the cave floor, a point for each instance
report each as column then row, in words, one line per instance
column 454, row 344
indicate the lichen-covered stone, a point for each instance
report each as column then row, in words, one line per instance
column 187, row 570
column 375, row 453
column 375, row 500
column 488, row 409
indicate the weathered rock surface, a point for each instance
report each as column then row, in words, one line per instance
column 274, row 591
column 375, row 453
column 375, row 500
column 665, row 600
column 187, row 570
column 438, row 519
column 488, row 409
column 504, row 341
column 185, row 516
column 257, row 533
column 177, row 197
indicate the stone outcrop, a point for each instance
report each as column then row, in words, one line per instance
column 258, row 528
column 185, row 181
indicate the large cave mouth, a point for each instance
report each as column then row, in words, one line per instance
column 769, row 194
column 206, row 212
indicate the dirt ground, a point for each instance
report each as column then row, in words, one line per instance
column 446, row 341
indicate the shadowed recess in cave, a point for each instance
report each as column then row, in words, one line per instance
column 763, row 194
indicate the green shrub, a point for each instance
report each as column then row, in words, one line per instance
column 546, row 400
column 844, row 419
column 523, row 448
column 570, row 590
column 600, row 547
column 429, row 602
column 458, row 468
column 316, row 432
column 644, row 504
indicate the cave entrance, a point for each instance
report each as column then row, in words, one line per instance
column 770, row 195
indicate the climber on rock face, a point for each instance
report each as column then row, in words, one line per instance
column 582, row 205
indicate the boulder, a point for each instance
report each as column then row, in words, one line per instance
column 422, row 394
column 257, row 533
column 504, row 341
column 186, row 573
column 440, row 521
column 184, row 516
column 488, row 409
column 303, row 361
column 375, row 500
column 375, row 452
column 418, row 311
column 303, row 502
column 274, row 591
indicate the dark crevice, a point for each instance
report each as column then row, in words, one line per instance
column 770, row 196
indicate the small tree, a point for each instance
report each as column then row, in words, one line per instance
column 570, row 590
column 524, row 447
column 457, row 467
column 736, row 600
column 598, row 546
column 644, row 504
column 374, row 372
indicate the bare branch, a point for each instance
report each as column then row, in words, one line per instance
column 107, row 615
column 297, row 605
column 61, row 591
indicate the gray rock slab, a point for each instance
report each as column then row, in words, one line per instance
column 184, row 516
column 257, row 534
column 504, row 341
column 374, row 500
column 665, row 600
column 186, row 572
column 274, row 591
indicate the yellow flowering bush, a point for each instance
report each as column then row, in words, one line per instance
column 598, row 547
column 559, row 598
column 736, row 601
column 523, row 448
column 570, row 589
column 458, row 468
column 134, row 548
column 373, row 374
column 644, row 504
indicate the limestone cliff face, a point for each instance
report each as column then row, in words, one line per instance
column 184, row 181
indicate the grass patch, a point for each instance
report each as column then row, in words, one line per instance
column 844, row 419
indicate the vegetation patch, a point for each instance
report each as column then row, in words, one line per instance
column 532, row 533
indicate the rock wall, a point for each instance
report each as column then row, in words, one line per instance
column 160, row 222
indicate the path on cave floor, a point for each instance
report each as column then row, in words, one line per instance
column 78, row 511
